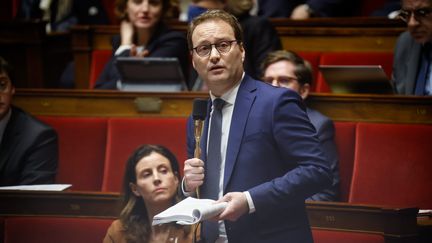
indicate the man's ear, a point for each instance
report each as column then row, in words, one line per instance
column 134, row 189
column 304, row 91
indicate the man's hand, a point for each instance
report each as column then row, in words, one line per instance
column 193, row 174
column 237, row 206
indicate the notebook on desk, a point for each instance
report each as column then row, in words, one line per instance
column 363, row 79
column 150, row 74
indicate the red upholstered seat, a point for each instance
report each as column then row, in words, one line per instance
column 82, row 144
column 313, row 58
column 345, row 142
column 392, row 165
column 126, row 134
column 329, row 236
column 50, row 229
column 385, row 59
column 98, row 60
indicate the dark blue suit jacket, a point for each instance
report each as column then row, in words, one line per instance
column 28, row 151
column 326, row 131
column 273, row 152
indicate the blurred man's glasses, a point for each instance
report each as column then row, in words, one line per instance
column 221, row 47
column 281, row 80
column 419, row 14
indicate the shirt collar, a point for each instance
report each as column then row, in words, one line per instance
column 230, row 96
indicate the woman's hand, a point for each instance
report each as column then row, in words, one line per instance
column 126, row 32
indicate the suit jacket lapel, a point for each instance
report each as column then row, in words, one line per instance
column 9, row 139
column 242, row 106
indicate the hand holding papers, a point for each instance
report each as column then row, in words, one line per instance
column 190, row 211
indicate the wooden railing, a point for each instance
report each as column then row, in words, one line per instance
column 365, row 108
column 395, row 224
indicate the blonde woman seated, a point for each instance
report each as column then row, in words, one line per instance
column 149, row 186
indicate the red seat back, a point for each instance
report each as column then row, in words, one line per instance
column 98, row 60
column 50, row 229
column 126, row 134
column 82, row 144
column 392, row 165
column 385, row 59
column 329, row 236
column 345, row 143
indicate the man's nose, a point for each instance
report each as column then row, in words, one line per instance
column 412, row 21
column 214, row 54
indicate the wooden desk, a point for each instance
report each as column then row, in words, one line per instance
column 38, row 58
column 396, row 225
column 365, row 108
column 323, row 34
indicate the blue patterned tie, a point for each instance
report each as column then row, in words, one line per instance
column 423, row 71
column 210, row 188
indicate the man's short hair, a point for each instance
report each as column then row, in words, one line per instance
column 214, row 15
column 303, row 69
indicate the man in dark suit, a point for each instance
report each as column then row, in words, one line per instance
column 28, row 148
column 260, row 152
column 287, row 69
column 412, row 54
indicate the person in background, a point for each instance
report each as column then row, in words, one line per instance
column 28, row 147
column 63, row 14
column 288, row 70
column 304, row 9
column 260, row 37
column 197, row 7
column 412, row 53
column 144, row 34
column 260, row 153
column 150, row 186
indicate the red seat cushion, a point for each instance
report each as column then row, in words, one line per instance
column 345, row 143
column 82, row 142
column 126, row 134
column 98, row 61
column 50, row 229
column 392, row 165
column 328, row 236
column 385, row 59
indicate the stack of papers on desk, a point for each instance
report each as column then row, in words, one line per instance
column 190, row 211
column 45, row 187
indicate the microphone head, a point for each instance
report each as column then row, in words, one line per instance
column 199, row 111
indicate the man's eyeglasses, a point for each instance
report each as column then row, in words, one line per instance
column 281, row 80
column 4, row 86
column 419, row 14
column 221, row 47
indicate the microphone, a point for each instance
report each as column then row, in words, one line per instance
column 199, row 114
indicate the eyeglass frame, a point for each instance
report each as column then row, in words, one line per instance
column 419, row 14
column 210, row 46
column 278, row 79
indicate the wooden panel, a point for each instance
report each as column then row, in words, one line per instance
column 38, row 58
column 396, row 225
column 97, row 103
